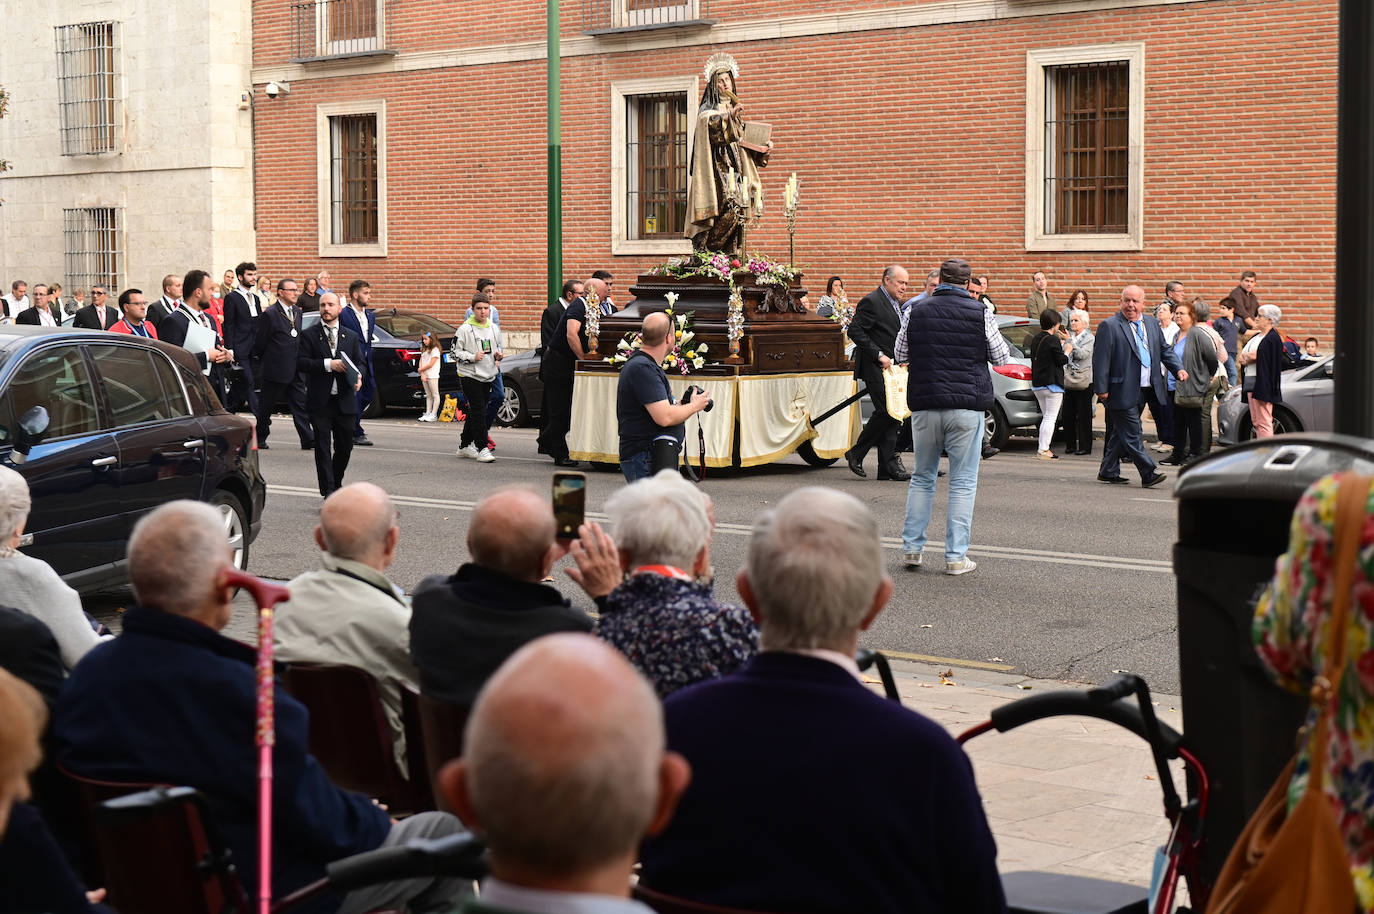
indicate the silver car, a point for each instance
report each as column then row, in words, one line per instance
column 1014, row 405
column 1306, row 405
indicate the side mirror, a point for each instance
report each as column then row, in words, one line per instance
column 32, row 426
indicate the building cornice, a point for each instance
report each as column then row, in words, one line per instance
column 916, row 16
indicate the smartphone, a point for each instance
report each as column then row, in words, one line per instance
column 569, row 503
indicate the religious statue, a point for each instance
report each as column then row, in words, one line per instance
column 723, row 187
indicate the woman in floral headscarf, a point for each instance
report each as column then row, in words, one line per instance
column 1290, row 634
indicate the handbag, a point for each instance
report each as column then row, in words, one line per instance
column 1188, row 402
column 450, row 409
column 894, row 387
column 1294, row 862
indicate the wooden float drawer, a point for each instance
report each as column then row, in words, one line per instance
column 775, row 355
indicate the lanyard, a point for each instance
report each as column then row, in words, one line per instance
column 667, row 571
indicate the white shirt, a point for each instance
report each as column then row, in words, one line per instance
column 17, row 305
column 46, row 319
column 334, row 387
column 254, row 306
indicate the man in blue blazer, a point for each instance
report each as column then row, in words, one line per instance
column 331, row 358
column 358, row 317
column 809, row 791
column 1129, row 347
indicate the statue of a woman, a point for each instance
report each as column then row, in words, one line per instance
column 723, row 187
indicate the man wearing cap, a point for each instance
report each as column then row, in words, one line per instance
column 951, row 336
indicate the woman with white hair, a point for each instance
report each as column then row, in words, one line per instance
column 1267, row 357
column 30, row 585
column 663, row 618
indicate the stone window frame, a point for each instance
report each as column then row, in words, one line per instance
column 1037, row 61
column 621, row 91
column 324, row 177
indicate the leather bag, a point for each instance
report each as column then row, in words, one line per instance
column 894, row 387
column 1295, row 862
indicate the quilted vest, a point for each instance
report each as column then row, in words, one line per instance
column 948, row 350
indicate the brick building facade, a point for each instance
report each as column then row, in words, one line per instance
column 1104, row 141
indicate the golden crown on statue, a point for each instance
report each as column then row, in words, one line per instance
column 720, row 62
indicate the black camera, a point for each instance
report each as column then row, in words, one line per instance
column 691, row 392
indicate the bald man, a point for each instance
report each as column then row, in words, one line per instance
column 463, row 626
column 347, row 613
column 566, row 725
column 172, row 701
column 645, row 409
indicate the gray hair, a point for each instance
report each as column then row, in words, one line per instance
column 563, row 757
column 15, row 502
column 1079, row 313
column 661, row 520
column 1201, row 310
column 175, row 554
column 1272, row 312
column 814, row 564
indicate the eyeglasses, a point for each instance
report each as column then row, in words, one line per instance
column 98, row 292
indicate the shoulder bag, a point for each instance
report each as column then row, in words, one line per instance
column 1295, row 862
column 894, row 388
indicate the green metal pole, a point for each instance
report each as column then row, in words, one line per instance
column 555, row 161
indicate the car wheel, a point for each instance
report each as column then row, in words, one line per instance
column 512, row 409
column 995, row 428
column 375, row 407
column 808, row 453
column 235, row 525
column 1285, row 422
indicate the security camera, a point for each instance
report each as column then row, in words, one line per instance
column 274, row 90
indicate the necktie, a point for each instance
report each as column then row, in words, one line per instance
column 1140, row 346
column 333, row 339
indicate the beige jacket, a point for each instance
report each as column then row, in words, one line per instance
column 347, row 614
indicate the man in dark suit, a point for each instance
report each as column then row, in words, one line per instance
column 1128, row 349
column 171, row 294
column 766, row 822
column 873, row 329
column 278, row 351
column 241, row 310
column 331, row 394
column 98, row 315
column 357, row 317
column 41, row 313
column 567, row 346
column 176, row 327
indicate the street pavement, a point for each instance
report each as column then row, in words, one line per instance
column 1073, row 584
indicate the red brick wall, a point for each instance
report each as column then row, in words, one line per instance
column 909, row 144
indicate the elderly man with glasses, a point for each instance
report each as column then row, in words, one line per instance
column 100, row 314
column 40, row 315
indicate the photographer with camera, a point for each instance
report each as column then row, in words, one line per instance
column 644, row 406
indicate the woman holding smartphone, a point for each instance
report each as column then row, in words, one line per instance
column 477, row 348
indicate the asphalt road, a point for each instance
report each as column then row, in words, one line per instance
column 1073, row 577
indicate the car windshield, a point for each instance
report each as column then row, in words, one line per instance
column 413, row 326
column 1018, row 337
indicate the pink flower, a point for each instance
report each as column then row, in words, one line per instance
column 735, row 264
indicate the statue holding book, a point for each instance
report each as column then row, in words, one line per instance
column 723, row 187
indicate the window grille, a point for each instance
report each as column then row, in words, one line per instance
column 618, row 15
column 93, row 253
column 1087, row 130
column 333, row 28
column 353, row 179
column 86, row 87
column 656, row 165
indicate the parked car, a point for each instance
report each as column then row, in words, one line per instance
column 1014, row 404
column 105, row 427
column 524, row 390
column 396, row 358
column 1306, row 407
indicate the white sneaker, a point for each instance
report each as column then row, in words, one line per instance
column 911, row 559
column 484, row 455
column 426, row 418
column 963, row 566
column 1162, row 448
column 469, row 451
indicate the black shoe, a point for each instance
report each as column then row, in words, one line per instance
column 896, row 465
column 1153, row 480
column 566, row 462
column 1113, row 480
column 307, row 445
column 362, row 441
column 1173, row 460
column 262, row 446
column 989, row 452
column 894, row 471
column 856, row 465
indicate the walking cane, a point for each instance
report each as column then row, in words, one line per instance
column 267, row 595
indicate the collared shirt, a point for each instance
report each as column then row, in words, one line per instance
column 45, row 317
column 1141, row 338
column 896, row 305
column 17, row 304
column 504, row 896
column 254, row 306
column 998, row 353
column 334, row 347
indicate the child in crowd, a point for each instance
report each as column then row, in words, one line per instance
column 431, row 357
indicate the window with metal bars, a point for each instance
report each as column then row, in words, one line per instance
column 326, row 28
column 353, row 178
column 86, row 88
column 650, row 13
column 93, row 252
column 656, row 164
column 1087, row 130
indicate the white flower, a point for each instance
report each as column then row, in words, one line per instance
column 682, row 320
column 682, row 340
column 623, row 344
column 672, row 299
column 698, row 362
column 701, row 348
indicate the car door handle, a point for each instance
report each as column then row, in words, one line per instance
column 193, row 444
column 104, row 461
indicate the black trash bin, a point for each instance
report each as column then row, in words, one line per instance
column 1234, row 512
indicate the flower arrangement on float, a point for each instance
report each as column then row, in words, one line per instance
column 683, row 355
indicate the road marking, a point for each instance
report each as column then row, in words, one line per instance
column 1127, row 563
column 952, row 661
column 1154, row 501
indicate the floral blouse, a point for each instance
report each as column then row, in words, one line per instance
column 1290, row 633
column 674, row 632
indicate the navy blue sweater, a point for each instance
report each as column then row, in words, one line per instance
column 810, row 794
column 172, row 701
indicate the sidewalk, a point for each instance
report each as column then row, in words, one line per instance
column 1068, row 794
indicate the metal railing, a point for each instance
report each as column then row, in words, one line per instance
column 86, row 84
column 94, row 255
column 339, row 28
column 630, row 15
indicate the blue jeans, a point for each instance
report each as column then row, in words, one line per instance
column 959, row 433
column 1231, row 369
column 637, row 466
